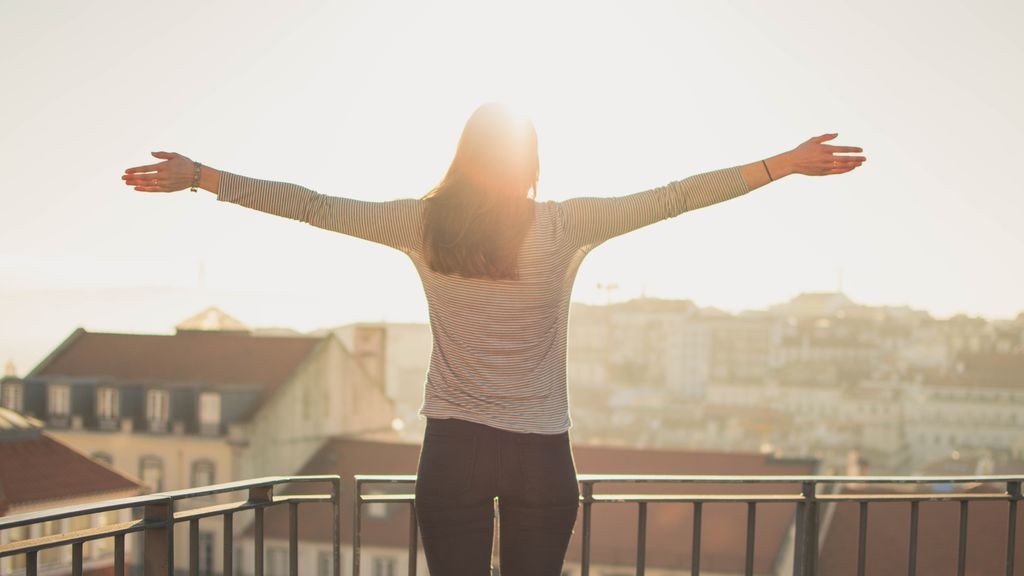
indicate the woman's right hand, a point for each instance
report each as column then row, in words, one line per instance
column 814, row 158
column 171, row 175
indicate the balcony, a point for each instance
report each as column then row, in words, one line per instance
column 156, row 515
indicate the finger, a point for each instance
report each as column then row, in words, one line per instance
column 824, row 137
column 839, row 170
column 167, row 155
column 146, row 168
column 842, row 148
column 152, row 189
column 847, row 158
column 144, row 178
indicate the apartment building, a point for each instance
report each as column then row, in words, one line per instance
column 213, row 402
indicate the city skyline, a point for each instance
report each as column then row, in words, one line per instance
column 117, row 311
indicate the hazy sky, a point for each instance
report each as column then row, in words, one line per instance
column 367, row 99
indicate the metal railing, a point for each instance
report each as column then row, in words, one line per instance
column 806, row 520
column 159, row 516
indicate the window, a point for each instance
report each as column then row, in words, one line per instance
column 209, row 412
column 157, row 410
column 206, row 553
column 104, row 457
column 107, row 403
column 202, row 473
column 384, row 566
column 151, row 472
column 12, row 397
column 58, row 400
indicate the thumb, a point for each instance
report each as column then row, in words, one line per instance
column 164, row 155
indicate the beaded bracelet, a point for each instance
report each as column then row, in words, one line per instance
column 195, row 175
column 766, row 170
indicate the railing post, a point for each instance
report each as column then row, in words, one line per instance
column 259, row 494
column 336, row 509
column 158, row 539
column 413, row 539
column 798, row 538
column 641, row 539
column 293, row 538
column 228, row 548
column 32, row 563
column 809, row 557
column 1013, row 490
column 357, row 509
column 588, row 501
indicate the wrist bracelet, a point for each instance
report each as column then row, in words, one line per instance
column 195, row 175
column 770, row 179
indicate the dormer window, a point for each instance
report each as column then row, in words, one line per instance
column 158, row 409
column 12, row 396
column 108, row 406
column 209, row 413
column 58, row 403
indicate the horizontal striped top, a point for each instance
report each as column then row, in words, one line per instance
column 499, row 346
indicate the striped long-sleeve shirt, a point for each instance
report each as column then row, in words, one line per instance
column 499, row 346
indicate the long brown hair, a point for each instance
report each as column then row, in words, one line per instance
column 476, row 218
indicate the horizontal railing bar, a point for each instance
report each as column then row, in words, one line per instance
column 240, row 505
column 635, row 498
column 370, row 498
column 595, row 478
column 244, row 485
column 725, row 498
column 83, row 535
column 744, row 479
column 915, row 497
column 384, row 478
column 28, row 518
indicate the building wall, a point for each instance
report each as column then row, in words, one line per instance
column 331, row 394
column 178, row 453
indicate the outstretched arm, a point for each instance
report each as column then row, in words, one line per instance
column 589, row 221
column 394, row 223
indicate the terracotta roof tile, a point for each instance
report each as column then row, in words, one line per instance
column 41, row 468
column 209, row 357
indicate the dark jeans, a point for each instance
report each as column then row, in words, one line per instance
column 463, row 466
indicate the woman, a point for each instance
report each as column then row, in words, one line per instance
column 497, row 268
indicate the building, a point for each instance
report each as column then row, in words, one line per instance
column 397, row 354
column 37, row 472
column 213, row 402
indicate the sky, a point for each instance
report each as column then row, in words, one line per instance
column 367, row 100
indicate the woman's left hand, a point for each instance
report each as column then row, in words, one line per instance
column 171, row 175
column 814, row 158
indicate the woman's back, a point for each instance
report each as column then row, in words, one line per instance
column 499, row 352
